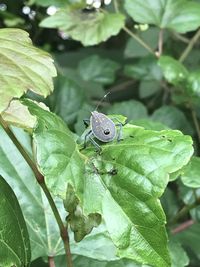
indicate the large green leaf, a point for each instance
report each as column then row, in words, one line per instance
column 42, row 227
column 90, row 28
column 178, row 254
column 14, row 240
column 122, row 184
column 22, row 67
column 179, row 15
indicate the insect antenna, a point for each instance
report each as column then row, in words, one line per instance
column 101, row 101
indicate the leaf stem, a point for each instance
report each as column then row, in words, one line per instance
column 160, row 43
column 190, row 46
column 139, row 40
column 196, row 123
column 41, row 181
column 133, row 35
column 51, row 261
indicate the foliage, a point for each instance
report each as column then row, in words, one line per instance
column 135, row 202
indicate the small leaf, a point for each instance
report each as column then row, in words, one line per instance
column 14, row 240
column 23, row 67
column 90, row 28
column 149, row 88
column 18, row 115
column 180, row 15
column 146, row 69
column 191, row 173
column 193, row 84
column 174, row 72
column 98, row 69
column 67, row 99
column 190, row 238
column 131, row 109
column 178, row 255
column 173, row 118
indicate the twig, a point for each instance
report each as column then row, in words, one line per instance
column 182, row 227
column 51, row 261
column 41, row 181
column 190, row 46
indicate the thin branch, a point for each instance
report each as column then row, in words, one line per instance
column 182, row 227
column 190, row 46
column 41, row 181
column 51, row 261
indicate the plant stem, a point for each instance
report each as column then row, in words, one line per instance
column 190, row 46
column 133, row 35
column 184, row 211
column 51, row 261
column 41, row 182
column 160, row 43
column 196, row 123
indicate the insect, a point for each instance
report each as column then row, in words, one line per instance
column 102, row 128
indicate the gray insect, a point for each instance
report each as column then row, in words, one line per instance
column 102, row 128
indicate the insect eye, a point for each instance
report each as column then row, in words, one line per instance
column 106, row 132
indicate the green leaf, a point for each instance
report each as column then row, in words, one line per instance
column 174, row 72
column 14, row 240
column 79, row 261
column 178, row 255
column 180, row 15
column 42, row 227
column 149, row 124
column 90, row 28
column 18, row 115
column 134, row 49
column 193, row 84
column 146, row 69
column 173, row 118
column 131, row 109
column 67, row 99
column 132, row 171
column 149, row 88
column 169, row 203
column 23, row 67
column 190, row 238
column 98, row 69
column 191, row 173
column 47, row 3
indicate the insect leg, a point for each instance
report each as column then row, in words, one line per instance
column 119, row 134
column 86, row 122
column 86, row 137
column 98, row 148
